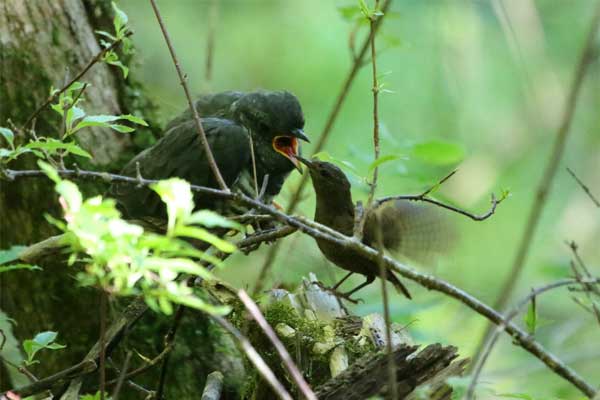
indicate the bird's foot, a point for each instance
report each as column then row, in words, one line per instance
column 339, row 295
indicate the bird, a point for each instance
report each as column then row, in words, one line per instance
column 414, row 230
column 271, row 122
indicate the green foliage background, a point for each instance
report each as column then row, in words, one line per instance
column 460, row 74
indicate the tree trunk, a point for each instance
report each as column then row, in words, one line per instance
column 42, row 44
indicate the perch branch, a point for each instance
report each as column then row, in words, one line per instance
column 319, row 231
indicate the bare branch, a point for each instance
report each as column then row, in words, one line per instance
column 545, row 184
column 584, row 187
column 500, row 328
column 213, row 387
column 186, row 89
column 319, row 231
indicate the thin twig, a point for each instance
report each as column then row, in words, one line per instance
column 500, row 328
column 213, row 15
column 77, row 77
column 121, row 379
column 376, row 149
column 323, row 137
column 391, row 365
column 544, row 186
column 254, row 357
column 102, row 368
column 283, row 353
column 182, row 79
column 169, row 342
column 319, row 231
column 584, row 187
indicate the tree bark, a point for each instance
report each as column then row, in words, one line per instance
column 42, row 44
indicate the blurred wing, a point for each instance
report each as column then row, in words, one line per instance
column 419, row 231
column 180, row 154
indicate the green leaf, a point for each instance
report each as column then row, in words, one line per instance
column 121, row 128
column 176, row 194
column 73, row 114
column 106, row 34
column 120, row 19
column 178, row 265
column 134, row 119
column 211, row 219
column 522, row 396
column 71, row 194
column 123, row 67
column 199, row 304
column 383, row 160
column 49, row 170
column 53, row 145
column 530, row 317
column 43, row 340
column 204, row 235
column 439, row 152
column 349, row 13
column 10, row 254
column 8, row 135
column 12, row 267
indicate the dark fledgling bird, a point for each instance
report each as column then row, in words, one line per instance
column 271, row 120
column 413, row 230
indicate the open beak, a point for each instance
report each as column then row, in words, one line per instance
column 288, row 146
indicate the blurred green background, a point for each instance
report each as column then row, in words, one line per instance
column 489, row 77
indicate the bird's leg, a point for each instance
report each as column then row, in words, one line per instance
column 370, row 279
column 337, row 285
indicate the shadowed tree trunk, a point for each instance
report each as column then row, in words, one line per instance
column 44, row 43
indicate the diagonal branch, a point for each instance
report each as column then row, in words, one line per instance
column 318, row 231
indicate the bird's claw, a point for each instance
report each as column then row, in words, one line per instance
column 339, row 295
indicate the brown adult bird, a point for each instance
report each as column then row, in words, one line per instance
column 413, row 230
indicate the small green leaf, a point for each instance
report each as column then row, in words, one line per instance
column 349, row 13
column 382, row 160
column 530, row 317
column 49, row 170
column 439, row 152
column 204, row 235
column 120, row 19
column 199, row 304
column 43, row 340
column 8, row 135
column 71, row 194
column 121, row 128
column 134, row 119
column 176, row 194
column 53, row 145
column 123, row 67
column 211, row 219
column 106, row 34
column 12, row 267
column 10, row 254
column 178, row 265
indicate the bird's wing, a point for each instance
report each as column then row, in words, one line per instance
column 180, row 154
column 419, row 231
column 210, row 105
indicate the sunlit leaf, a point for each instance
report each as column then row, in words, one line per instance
column 43, row 340
column 49, row 170
column 53, row 145
column 204, row 235
column 211, row 219
column 120, row 19
column 176, row 194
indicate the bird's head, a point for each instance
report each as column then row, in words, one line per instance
column 328, row 179
column 275, row 121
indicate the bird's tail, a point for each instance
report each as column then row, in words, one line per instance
column 398, row 285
